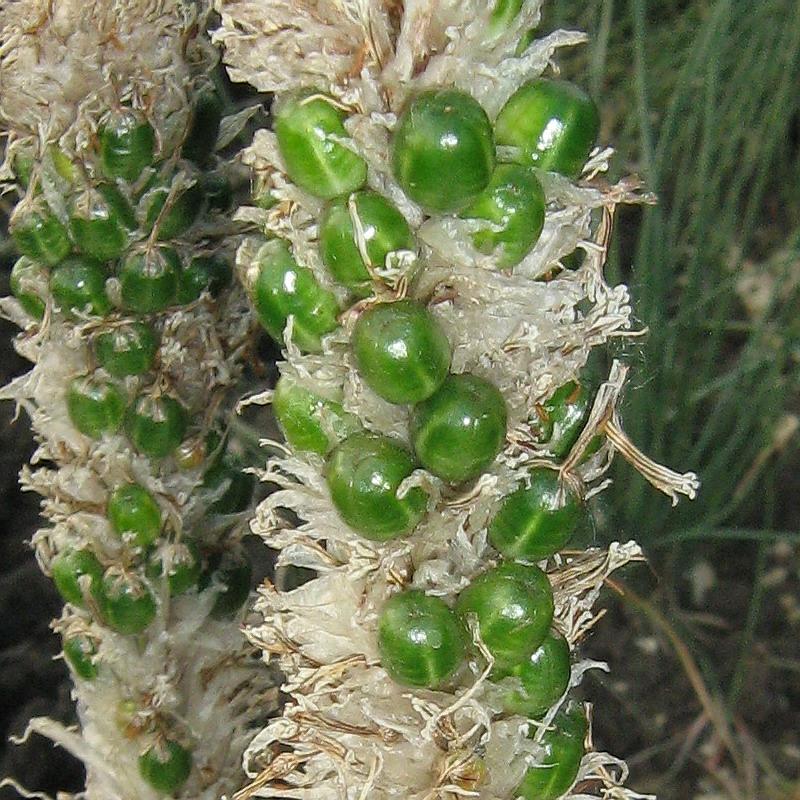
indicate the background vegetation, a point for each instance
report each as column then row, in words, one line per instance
column 702, row 98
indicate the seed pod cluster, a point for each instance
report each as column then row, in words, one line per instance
column 136, row 330
column 442, row 430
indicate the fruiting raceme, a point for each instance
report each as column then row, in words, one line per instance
column 135, row 331
column 416, row 655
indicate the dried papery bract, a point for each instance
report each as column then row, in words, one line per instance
column 135, row 352
column 409, row 84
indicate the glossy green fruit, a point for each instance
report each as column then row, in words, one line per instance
column 28, row 281
column 536, row 520
column 443, row 150
column 227, row 473
column 183, row 570
column 514, row 202
column 383, row 230
column 203, row 129
column 117, row 204
column 566, row 414
column 127, row 144
column 166, row 766
column 563, row 750
column 310, row 128
column 420, row 640
column 460, row 429
column 543, row 678
column 95, row 406
column 149, row 279
column 363, row 474
column 80, row 651
column 38, row 234
column 531, row 575
column 73, row 568
column 309, row 421
column 229, row 574
column 128, row 605
column 513, row 613
column 183, row 211
column 78, row 285
column 96, row 228
column 401, row 351
column 133, row 510
column 129, row 349
column 554, row 124
column 203, row 274
column 156, row 424
column 284, row 289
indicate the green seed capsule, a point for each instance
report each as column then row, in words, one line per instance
column 183, row 570
column 166, row 766
column 127, row 144
column 78, row 285
column 184, row 209
column 203, row 129
column 127, row 350
column 133, row 510
column 156, row 425
column 563, row 750
column 381, row 228
column 536, row 520
column 419, row 639
column 38, row 234
column 96, row 228
column 401, row 351
column 554, row 124
column 118, row 205
column 514, row 202
column 229, row 574
column 238, row 485
column 529, row 574
column 460, row 429
column 80, row 651
column 513, row 614
column 28, row 281
column 74, row 571
column 363, row 474
column 543, row 678
column 309, row 421
column 95, row 407
column 566, row 413
column 284, row 289
column 203, row 274
column 310, row 131
column 128, row 605
column 149, row 280
column 443, row 151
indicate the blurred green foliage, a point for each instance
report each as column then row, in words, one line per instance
column 702, row 97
